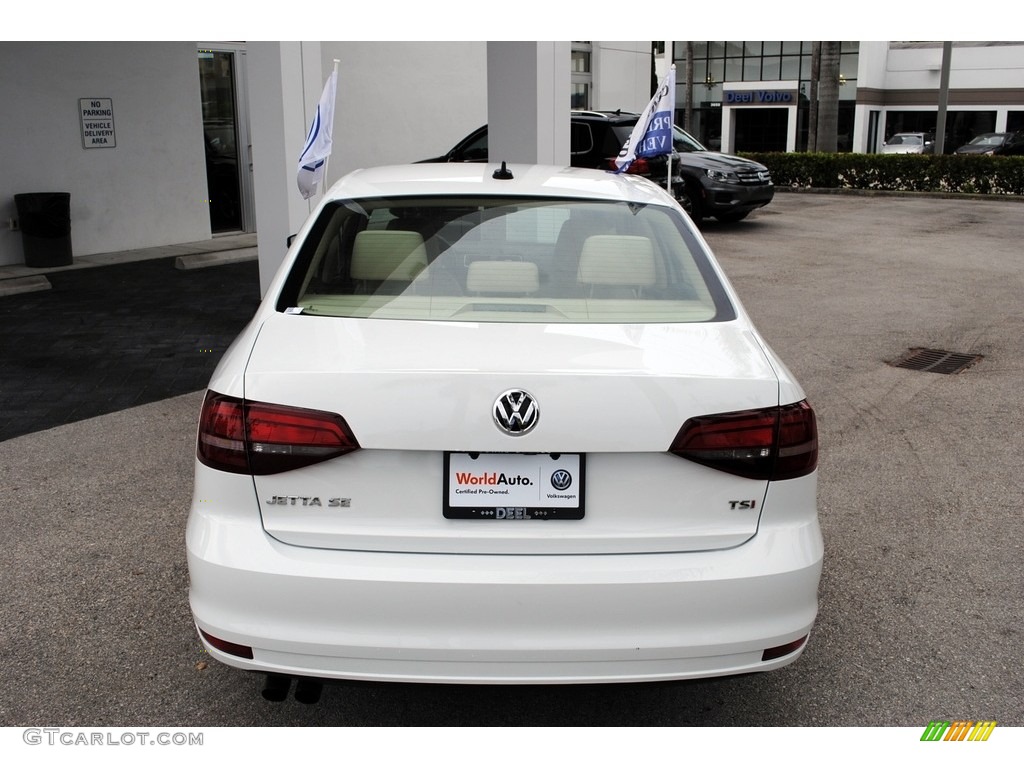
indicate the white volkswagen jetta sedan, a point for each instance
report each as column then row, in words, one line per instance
column 497, row 427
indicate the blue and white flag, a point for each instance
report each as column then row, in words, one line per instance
column 652, row 134
column 313, row 160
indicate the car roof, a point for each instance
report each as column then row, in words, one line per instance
column 606, row 114
column 478, row 179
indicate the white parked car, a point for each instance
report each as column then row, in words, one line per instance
column 502, row 430
column 909, row 144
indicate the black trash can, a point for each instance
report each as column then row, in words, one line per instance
column 45, row 222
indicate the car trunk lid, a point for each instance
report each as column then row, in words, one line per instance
column 420, row 397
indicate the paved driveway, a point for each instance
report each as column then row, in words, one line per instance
column 920, row 499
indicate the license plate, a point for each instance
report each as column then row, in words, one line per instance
column 514, row 486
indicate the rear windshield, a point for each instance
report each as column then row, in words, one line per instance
column 504, row 260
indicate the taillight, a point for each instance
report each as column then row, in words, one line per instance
column 262, row 439
column 221, row 441
column 764, row 444
column 639, row 166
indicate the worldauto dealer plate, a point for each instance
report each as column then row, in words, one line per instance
column 513, row 486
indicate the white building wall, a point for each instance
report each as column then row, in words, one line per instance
column 622, row 75
column 972, row 65
column 871, row 63
column 399, row 102
column 148, row 190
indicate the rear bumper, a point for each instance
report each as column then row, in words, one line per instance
column 501, row 618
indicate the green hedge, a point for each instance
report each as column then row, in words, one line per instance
column 969, row 174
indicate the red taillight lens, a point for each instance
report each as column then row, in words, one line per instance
column 765, row 444
column 263, row 439
column 798, row 442
column 221, row 441
column 639, row 166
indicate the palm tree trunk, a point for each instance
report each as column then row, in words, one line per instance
column 688, row 103
column 812, row 99
column 828, row 92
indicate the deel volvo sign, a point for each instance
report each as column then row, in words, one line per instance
column 759, row 98
column 97, row 117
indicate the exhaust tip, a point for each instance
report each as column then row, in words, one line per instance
column 308, row 690
column 276, row 687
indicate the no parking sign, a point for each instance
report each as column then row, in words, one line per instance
column 97, row 123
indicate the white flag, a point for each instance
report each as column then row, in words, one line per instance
column 652, row 134
column 313, row 160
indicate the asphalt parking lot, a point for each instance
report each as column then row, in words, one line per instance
column 919, row 492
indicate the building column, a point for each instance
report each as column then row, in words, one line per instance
column 528, row 102
column 792, row 127
column 290, row 83
column 728, row 131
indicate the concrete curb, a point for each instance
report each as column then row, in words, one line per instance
column 202, row 260
column 24, row 285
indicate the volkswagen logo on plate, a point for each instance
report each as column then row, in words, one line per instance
column 560, row 479
column 516, row 412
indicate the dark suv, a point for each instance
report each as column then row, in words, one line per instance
column 705, row 183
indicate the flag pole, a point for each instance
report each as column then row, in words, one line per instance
column 327, row 160
column 672, row 129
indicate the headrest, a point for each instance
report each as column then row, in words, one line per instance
column 617, row 260
column 392, row 254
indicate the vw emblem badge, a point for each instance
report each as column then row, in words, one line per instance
column 560, row 479
column 516, row 412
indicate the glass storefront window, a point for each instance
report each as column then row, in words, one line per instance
column 848, row 65
column 805, row 67
column 580, row 96
column 217, row 92
column 580, row 61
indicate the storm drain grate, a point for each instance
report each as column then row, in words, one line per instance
column 935, row 361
